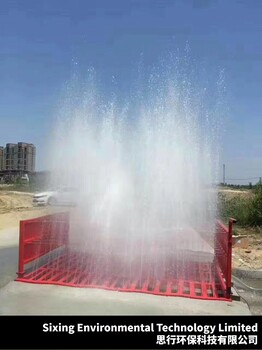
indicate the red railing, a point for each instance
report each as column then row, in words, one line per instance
column 223, row 253
column 40, row 236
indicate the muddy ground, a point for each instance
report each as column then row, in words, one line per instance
column 16, row 206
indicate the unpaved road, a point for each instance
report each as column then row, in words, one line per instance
column 16, row 206
column 11, row 200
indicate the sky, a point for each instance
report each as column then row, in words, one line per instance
column 41, row 40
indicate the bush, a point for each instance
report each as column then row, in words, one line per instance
column 256, row 212
column 246, row 210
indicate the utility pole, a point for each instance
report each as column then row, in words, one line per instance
column 224, row 174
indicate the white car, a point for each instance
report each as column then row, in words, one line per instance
column 63, row 196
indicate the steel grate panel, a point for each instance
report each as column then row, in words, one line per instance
column 186, row 279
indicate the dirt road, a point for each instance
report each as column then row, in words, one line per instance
column 16, row 206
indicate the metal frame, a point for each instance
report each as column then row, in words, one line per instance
column 42, row 236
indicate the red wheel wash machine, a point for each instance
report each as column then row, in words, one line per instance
column 46, row 257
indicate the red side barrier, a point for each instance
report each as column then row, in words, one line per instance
column 223, row 254
column 40, row 236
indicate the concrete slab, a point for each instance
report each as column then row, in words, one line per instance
column 9, row 237
column 8, row 264
column 18, row 298
column 8, row 255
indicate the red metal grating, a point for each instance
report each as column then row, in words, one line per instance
column 45, row 258
column 186, row 279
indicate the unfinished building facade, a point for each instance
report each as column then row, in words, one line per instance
column 20, row 156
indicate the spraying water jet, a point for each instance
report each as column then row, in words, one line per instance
column 146, row 216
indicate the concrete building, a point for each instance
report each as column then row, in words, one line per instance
column 1, row 158
column 18, row 157
column 9, row 156
column 25, row 158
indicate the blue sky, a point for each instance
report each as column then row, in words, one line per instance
column 39, row 40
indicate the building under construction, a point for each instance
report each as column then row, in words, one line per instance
column 16, row 160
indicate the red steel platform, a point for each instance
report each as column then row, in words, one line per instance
column 45, row 257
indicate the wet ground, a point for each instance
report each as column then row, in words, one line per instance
column 18, row 298
column 254, row 301
column 249, row 286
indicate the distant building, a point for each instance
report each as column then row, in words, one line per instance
column 18, row 157
column 1, row 158
column 25, row 159
column 9, row 157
